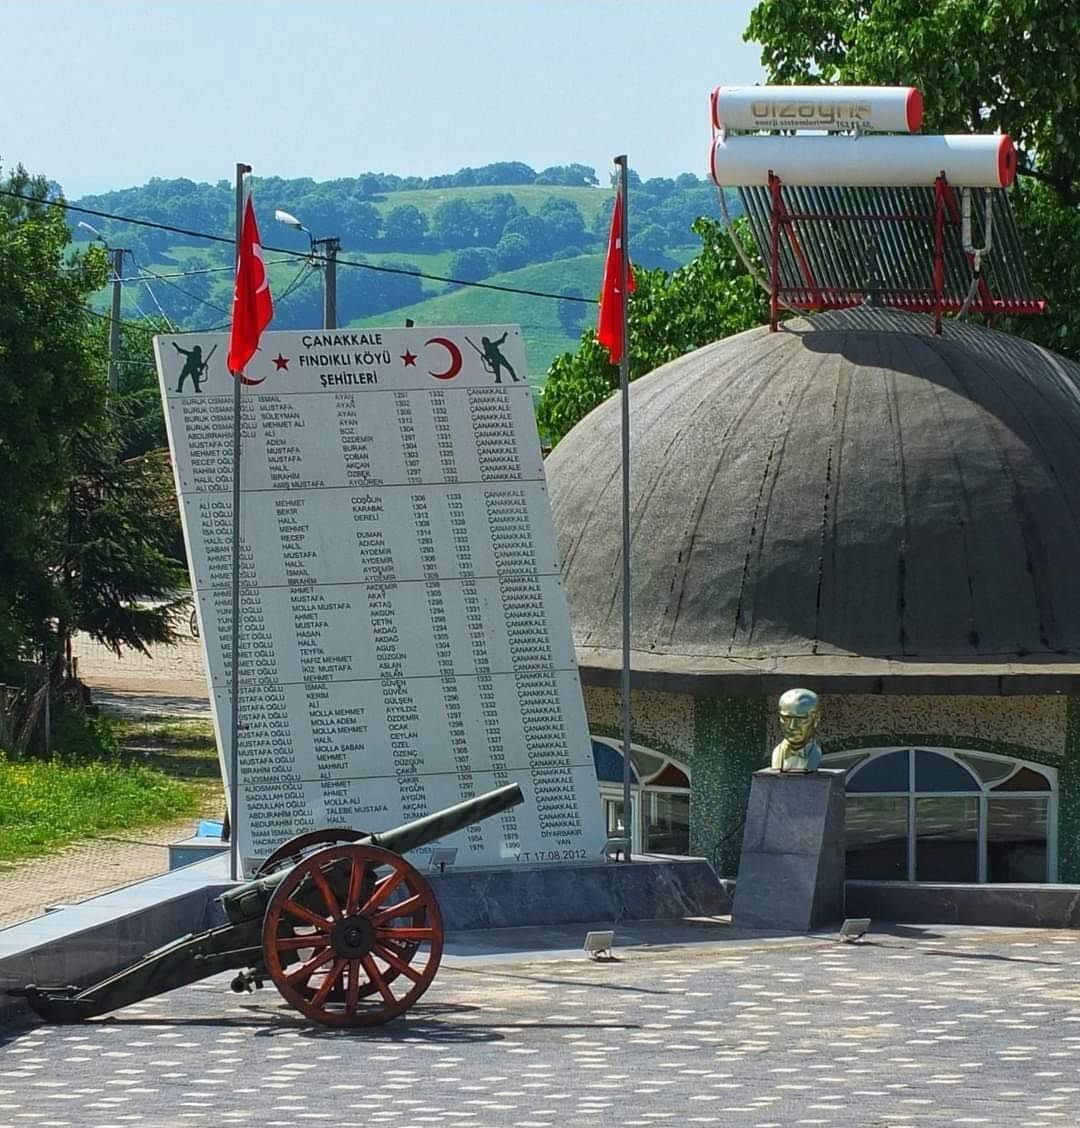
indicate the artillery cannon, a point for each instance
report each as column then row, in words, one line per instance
column 334, row 918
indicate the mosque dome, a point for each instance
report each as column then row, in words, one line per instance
column 848, row 500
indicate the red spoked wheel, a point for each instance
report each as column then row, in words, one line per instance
column 292, row 851
column 343, row 927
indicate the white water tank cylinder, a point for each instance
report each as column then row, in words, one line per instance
column 967, row 160
column 873, row 109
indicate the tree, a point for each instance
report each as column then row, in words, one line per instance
column 144, row 419
column 565, row 227
column 534, row 230
column 505, row 172
column 491, row 213
column 454, row 223
column 511, row 251
column 669, row 315
column 1007, row 64
column 472, row 264
column 91, row 529
column 51, row 385
column 110, row 543
column 571, row 175
column 404, row 227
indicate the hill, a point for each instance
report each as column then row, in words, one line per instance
column 549, row 327
column 504, row 224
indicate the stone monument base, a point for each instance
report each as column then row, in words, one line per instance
column 791, row 872
column 646, row 888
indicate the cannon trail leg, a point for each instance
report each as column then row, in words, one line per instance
column 352, row 936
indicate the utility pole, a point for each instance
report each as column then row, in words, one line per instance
column 332, row 245
column 114, row 323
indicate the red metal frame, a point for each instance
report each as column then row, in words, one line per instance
column 813, row 296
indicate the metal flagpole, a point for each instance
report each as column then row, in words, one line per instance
column 624, row 386
column 234, row 735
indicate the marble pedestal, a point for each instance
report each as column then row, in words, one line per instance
column 791, row 872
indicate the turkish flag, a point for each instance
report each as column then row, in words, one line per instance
column 252, row 305
column 609, row 324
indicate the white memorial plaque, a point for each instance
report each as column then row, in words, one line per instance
column 405, row 641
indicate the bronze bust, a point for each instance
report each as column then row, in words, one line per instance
column 799, row 751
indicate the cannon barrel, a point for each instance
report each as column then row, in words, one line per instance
column 248, row 901
column 420, row 832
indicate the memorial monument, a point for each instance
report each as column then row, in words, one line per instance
column 404, row 637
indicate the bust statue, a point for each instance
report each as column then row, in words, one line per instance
column 799, row 751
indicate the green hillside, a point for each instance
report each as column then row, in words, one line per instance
column 531, row 196
column 545, row 336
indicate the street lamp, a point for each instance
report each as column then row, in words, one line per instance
column 114, row 323
column 331, row 244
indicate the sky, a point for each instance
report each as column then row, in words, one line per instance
column 113, row 92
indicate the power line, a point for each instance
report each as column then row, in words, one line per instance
column 297, row 281
column 149, row 290
column 311, row 257
column 189, row 273
column 186, row 293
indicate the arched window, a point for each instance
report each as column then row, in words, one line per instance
column 659, row 786
column 941, row 814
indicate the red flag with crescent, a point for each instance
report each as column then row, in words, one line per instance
column 252, row 305
column 609, row 324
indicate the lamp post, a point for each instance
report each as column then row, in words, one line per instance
column 331, row 245
column 114, row 321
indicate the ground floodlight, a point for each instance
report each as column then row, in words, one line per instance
column 614, row 847
column 854, row 929
column 441, row 857
column 599, row 945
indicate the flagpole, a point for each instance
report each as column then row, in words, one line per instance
column 624, row 387
column 234, row 735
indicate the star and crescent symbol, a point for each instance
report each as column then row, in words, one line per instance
column 408, row 359
column 453, row 355
column 281, row 362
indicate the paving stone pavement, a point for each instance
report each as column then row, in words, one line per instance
column 916, row 1027
column 86, row 869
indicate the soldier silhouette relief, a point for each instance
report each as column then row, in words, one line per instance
column 195, row 365
column 492, row 358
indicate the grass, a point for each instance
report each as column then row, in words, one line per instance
column 164, row 770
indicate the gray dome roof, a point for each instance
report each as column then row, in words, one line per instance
column 848, row 497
